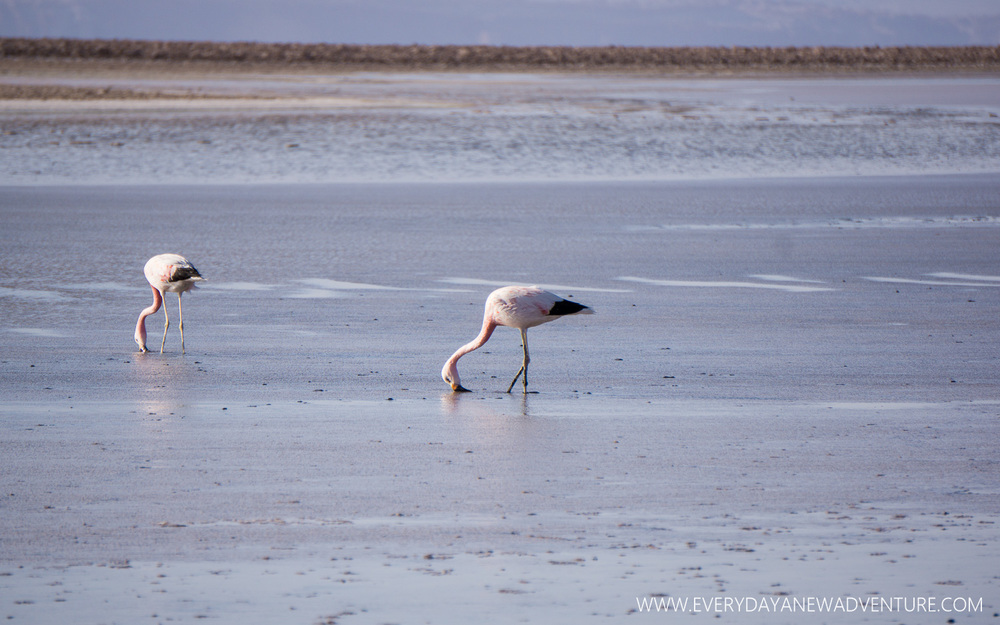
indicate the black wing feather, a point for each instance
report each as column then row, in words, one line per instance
column 184, row 273
column 565, row 307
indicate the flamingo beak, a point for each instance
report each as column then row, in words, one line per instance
column 458, row 388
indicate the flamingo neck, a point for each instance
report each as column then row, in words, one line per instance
column 484, row 335
column 140, row 325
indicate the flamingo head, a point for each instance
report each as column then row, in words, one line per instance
column 450, row 375
column 140, row 336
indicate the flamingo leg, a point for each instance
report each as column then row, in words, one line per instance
column 524, row 365
column 180, row 313
column 515, row 378
column 166, row 324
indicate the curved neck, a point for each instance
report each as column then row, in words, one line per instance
column 140, row 325
column 484, row 335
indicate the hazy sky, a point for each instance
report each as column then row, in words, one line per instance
column 516, row 22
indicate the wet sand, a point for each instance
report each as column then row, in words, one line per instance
column 788, row 392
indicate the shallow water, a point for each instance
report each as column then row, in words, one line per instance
column 789, row 389
column 843, row 289
column 431, row 127
column 778, row 371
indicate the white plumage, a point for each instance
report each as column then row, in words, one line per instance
column 520, row 307
column 166, row 272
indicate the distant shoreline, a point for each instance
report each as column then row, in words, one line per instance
column 348, row 57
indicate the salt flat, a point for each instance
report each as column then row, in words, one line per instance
column 788, row 393
column 445, row 127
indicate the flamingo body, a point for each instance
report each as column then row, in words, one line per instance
column 166, row 273
column 520, row 307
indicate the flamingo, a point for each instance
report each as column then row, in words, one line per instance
column 166, row 272
column 520, row 307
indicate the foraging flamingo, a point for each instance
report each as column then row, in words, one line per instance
column 520, row 307
column 166, row 272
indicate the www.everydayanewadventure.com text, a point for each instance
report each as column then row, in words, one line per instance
column 789, row 604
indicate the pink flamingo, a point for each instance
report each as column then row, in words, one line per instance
column 166, row 272
column 520, row 307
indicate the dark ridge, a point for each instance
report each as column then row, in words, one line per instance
column 872, row 59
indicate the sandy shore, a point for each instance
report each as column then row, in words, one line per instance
column 178, row 61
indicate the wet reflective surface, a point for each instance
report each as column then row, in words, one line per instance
column 446, row 127
column 789, row 387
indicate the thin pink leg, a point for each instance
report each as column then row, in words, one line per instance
column 180, row 324
column 166, row 324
